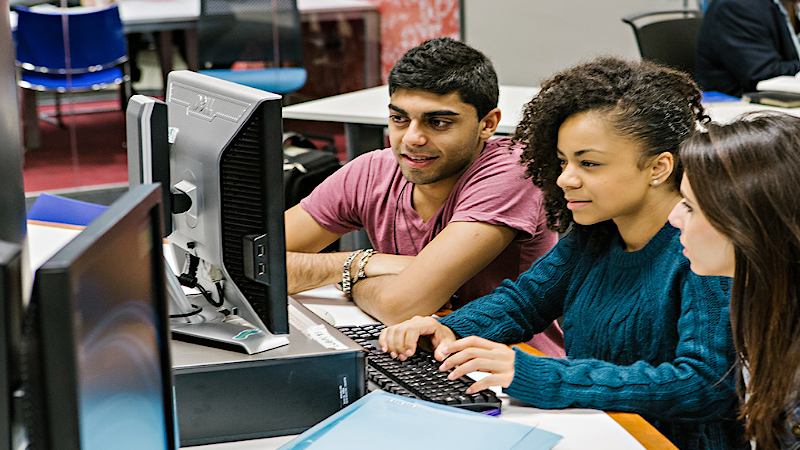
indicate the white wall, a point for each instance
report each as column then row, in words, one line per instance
column 528, row 40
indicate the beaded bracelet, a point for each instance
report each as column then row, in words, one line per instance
column 346, row 280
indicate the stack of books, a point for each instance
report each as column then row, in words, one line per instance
column 782, row 91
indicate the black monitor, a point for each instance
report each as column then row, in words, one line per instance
column 10, row 305
column 12, row 193
column 148, row 149
column 226, row 177
column 95, row 359
column 15, row 275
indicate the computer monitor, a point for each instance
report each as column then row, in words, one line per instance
column 148, row 149
column 12, row 193
column 95, row 359
column 226, row 177
column 15, row 276
column 10, row 302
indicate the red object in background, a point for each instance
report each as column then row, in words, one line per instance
column 407, row 23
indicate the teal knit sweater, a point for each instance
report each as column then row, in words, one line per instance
column 643, row 334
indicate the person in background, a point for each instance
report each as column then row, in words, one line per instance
column 742, row 42
column 447, row 209
column 643, row 333
column 740, row 218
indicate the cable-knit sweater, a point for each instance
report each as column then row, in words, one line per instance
column 643, row 334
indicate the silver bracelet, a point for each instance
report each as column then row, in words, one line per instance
column 346, row 280
column 362, row 263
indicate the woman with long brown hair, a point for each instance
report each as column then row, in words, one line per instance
column 740, row 217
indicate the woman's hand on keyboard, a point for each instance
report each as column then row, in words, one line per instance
column 401, row 340
column 475, row 354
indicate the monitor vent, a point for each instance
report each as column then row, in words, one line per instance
column 243, row 208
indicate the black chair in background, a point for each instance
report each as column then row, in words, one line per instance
column 668, row 36
column 263, row 36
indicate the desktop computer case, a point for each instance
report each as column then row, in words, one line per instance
column 222, row 395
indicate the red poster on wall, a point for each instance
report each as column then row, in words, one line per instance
column 407, row 23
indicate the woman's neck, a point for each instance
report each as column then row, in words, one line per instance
column 636, row 231
column 789, row 6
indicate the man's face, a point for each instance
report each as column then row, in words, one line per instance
column 434, row 137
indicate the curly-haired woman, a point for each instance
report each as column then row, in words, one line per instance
column 740, row 217
column 643, row 333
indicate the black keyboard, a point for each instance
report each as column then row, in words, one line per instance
column 418, row 376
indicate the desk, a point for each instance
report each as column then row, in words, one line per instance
column 595, row 429
column 365, row 114
column 598, row 430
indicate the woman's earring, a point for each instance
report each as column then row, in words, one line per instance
column 655, row 182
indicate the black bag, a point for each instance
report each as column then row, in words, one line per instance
column 304, row 169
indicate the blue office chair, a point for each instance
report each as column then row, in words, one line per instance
column 94, row 57
column 256, row 31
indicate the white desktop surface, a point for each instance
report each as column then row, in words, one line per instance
column 135, row 12
column 150, row 11
column 370, row 107
column 44, row 241
column 724, row 112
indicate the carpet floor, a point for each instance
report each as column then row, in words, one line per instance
column 89, row 151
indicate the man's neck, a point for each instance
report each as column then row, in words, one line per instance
column 428, row 198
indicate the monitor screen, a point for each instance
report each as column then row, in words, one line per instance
column 97, row 343
column 226, row 175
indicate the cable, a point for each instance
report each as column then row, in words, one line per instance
column 189, row 279
column 197, row 311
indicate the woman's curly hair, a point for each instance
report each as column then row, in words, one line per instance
column 652, row 104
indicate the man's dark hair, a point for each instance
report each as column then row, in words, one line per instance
column 443, row 65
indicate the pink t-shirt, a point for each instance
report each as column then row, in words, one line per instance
column 370, row 192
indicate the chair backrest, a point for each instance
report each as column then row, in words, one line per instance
column 668, row 37
column 96, row 39
column 250, row 31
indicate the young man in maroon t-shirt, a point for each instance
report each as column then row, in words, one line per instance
column 447, row 209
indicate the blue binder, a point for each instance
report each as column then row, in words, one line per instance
column 392, row 422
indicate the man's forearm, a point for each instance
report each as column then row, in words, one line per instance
column 382, row 299
column 306, row 271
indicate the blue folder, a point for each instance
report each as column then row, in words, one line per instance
column 391, row 422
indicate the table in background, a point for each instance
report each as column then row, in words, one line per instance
column 365, row 115
column 161, row 17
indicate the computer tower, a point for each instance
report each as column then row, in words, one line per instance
column 222, row 395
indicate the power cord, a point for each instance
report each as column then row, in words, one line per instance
column 189, row 279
